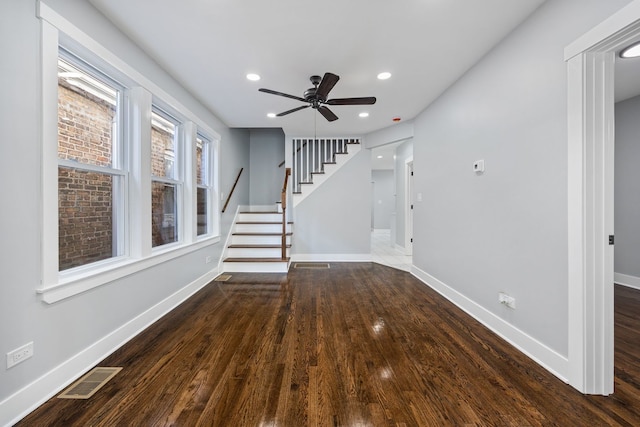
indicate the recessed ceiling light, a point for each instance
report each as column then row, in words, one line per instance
column 271, row 115
column 632, row 51
column 384, row 76
column 364, row 114
column 379, row 157
column 253, row 77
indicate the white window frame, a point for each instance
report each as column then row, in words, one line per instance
column 118, row 162
column 209, row 154
column 56, row 31
column 177, row 180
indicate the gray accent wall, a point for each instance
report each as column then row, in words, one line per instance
column 627, row 188
column 63, row 330
column 266, row 178
column 336, row 217
column 383, row 198
column 506, row 229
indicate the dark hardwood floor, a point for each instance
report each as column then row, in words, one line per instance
column 358, row 344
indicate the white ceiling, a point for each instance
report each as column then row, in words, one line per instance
column 210, row 45
column 627, row 78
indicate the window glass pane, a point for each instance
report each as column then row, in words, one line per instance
column 87, row 111
column 86, row 217
column 203, row 211
column 200, row 172
column 164, row 213
column 163, row 147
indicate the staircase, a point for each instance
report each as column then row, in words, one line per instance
column 316, row 159
column 255, row 245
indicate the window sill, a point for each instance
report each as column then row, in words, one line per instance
column 73, row 284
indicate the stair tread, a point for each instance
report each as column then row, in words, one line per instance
column 262, row 222
column 254, row 246
column 256, row 260
column 248, row 233
column 260, row 212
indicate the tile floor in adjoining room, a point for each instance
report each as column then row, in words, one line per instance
column 383, row 252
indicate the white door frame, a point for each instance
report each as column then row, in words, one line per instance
column 590, row 61
column 408, row 212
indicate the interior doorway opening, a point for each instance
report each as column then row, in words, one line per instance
column 390, row 202
column 591, row 69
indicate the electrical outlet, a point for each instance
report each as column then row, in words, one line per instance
column 208, row 259
column 19, row 355
column 507, row 300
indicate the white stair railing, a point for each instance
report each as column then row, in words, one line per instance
column 311, row 154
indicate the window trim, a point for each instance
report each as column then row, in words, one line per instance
column 55, row 286
column 178, row 178
column 208, row 160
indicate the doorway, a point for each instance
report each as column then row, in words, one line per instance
column 591, row 62
column 389, row 201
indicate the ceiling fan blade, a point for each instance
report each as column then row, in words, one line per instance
column 328, row 114
column 368, row 100
column 328, row 82
column 273, row 92
column 293, row 110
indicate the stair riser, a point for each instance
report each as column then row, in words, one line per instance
column 255, row 253
column 259, row 217
column 261, row 228
column 258, row 240
column 256, row 267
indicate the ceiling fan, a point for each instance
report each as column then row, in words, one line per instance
column 316, row 97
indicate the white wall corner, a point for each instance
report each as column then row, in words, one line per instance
column 546, row 357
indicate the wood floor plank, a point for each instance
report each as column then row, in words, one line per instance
column 356, row 344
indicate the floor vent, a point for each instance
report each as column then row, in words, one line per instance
column 311, row 265
column 90, row 383
column 222, row 278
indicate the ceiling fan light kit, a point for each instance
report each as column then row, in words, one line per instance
column 316, row 97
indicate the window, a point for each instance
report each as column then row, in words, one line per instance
column 166, row 185
column 91, row 180
column 119, row 174
column 204, row 182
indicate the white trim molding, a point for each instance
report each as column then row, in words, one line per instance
column 626, row 280
column 331, row 257
column 548, row 358
column 21, row 403
column 590, row 67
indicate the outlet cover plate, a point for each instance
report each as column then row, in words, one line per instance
column 19, row 355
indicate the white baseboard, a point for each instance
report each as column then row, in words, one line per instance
column 549, row 359
column 626, row 280
column 331, row 258
column 21, row 403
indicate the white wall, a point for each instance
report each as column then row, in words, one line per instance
column 74, row 332
column 336, row 217
column 504, row 230
column 383, row 198
column 627, row 189
column 266, row 153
